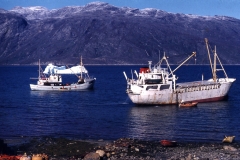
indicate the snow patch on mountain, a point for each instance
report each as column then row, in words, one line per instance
column 39, row 12
column 29, row 9
column 148, row 11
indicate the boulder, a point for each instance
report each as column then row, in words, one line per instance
column 92, row 156
column 100, row 152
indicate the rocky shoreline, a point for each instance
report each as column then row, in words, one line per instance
column 123, row 148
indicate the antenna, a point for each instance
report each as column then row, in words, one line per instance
column 132, row 75
column 39, row 72
column 159, row 55
column 195, row 58
column 81, row 65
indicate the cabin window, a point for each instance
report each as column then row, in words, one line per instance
column 151, row 87
column 153, row 81
column 162, row 87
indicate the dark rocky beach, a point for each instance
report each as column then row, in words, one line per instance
column 123, row 148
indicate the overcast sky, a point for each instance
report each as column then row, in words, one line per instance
column 198, row 7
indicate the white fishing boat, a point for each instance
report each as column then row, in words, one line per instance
column 157, row 85
column 51, row 78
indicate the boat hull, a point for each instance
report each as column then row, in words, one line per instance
column 168, row 143
column 189, row 104
column 89, row 83
column 192, row 94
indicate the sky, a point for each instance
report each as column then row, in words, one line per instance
column 229, row 8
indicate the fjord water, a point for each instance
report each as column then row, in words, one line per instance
column 106, row 111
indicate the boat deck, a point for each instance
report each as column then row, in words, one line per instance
column 195, row 84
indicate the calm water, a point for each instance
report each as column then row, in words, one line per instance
column 107, row 113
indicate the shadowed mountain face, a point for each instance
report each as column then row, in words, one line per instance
column 104, row 34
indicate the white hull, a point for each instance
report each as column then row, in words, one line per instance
column 157, row 85
column 53, row 80
column 196, row 93
column 88, row 84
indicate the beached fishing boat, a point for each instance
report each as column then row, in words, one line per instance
column 168, row 143
column 228, row 139
column 51, row 78
column 157, row 85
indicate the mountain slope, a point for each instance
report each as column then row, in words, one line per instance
column 105, row 34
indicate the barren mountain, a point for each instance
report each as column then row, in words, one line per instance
column 105, row 34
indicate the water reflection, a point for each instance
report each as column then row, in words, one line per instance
column 44, row 93
column 106, row 112
column 156, row 121
column 207, row 121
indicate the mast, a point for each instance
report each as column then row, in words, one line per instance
column 39, row 73
column 81, row 65
column 165, row 58
column 214, row 65
column 209, row 57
